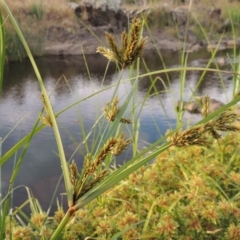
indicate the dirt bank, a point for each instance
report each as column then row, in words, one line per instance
column 84, row 42
column 86, row 33
column 63, row 28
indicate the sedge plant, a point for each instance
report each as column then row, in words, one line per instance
column 93, row 180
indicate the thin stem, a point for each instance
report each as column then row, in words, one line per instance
column 62, row 225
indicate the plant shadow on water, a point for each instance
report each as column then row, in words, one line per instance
column 67, row 81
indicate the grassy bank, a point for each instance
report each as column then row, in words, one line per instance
column 189, row 191
column 35, row 19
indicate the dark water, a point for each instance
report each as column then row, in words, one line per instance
column 67, row 80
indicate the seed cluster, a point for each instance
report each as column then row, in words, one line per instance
column 132, row 45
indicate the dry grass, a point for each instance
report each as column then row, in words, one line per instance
column 35, row 18
column 40, row 18
column 25, row 4
column 50, row 12
column 54, row 10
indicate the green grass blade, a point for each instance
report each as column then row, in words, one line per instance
column 19, row 144
column 150, row 213
column 20, row 160
column 218, row 187
column 3, row 208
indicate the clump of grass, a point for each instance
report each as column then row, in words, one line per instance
column 34, row 35
column 36, row 9
column 188, row 192
column 159, row 18
column 34, row 19
column 234, row 20
column 14, row 49
column 234, row 14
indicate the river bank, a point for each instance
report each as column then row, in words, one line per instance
column 74, row 29
column 157, row 40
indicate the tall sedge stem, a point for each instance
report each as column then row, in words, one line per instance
column 62, row 225
column 3, row 207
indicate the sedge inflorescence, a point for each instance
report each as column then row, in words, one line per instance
column 199, row 135
column 132, row 45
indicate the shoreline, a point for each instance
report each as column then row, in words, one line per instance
column 78, row 29
column 87, row 44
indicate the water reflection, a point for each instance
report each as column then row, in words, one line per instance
column 68, row 80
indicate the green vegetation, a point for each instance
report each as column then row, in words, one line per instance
column 36, row 10
column 190, row 191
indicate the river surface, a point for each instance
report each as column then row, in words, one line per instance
column 68, row 80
